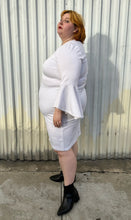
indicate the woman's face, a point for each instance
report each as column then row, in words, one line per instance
column 65, row 27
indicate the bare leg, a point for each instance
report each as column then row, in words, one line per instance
column 75, row 149
column 68, row 163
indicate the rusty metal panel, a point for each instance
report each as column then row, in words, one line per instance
column 27, row 37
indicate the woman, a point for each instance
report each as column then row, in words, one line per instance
column 62, row 100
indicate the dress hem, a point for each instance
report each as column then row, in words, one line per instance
column 69, row 147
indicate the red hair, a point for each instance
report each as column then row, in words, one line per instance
column 78, row 21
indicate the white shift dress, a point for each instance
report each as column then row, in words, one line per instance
column 63, row 86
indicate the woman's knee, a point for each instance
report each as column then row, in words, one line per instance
column 63, row 153
column 60, row 153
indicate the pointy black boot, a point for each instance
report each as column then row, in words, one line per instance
column 71, row 196
column 59, row 177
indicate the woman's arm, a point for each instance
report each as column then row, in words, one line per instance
column 69, row 63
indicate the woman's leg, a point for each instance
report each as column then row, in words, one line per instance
column 68, row 163
column 75, row 149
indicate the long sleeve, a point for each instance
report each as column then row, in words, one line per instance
column 69, row 61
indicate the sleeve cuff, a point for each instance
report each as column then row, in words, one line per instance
column 68, row 100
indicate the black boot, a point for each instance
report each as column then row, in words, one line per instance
column 70, row 197
column 59, row 177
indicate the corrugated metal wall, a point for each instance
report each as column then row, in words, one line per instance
column 27, row 37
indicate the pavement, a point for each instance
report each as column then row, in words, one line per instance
column 27, row 193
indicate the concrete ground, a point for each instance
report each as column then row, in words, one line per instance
column 26, row 192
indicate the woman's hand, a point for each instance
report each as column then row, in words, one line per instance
column 57, row 117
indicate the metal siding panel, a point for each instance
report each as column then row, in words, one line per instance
column 28, row 36
column 94, row 57
column 69, row 4
column 105, row 29
column 8, row 80
column 125, row 93
column 60, row 6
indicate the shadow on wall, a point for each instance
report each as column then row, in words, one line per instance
column 102, row 84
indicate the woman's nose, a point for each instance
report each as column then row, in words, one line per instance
column 61, row 22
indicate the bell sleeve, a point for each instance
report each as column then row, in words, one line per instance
column 69, row 67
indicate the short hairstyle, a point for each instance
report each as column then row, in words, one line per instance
column 78, row 21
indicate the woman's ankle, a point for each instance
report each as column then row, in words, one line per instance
column 69, row 188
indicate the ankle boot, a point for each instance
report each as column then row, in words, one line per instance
column 71, row 196
column 59, row 177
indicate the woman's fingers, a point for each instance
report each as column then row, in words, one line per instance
column 57, row 124
column 57, row 117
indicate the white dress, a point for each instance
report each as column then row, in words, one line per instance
column 63, row 86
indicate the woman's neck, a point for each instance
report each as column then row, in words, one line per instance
column 66, row 40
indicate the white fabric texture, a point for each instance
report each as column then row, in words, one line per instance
column 63, row 86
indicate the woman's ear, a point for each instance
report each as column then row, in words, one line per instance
column 76, row 29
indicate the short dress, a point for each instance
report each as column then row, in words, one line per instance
column 63, row 86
